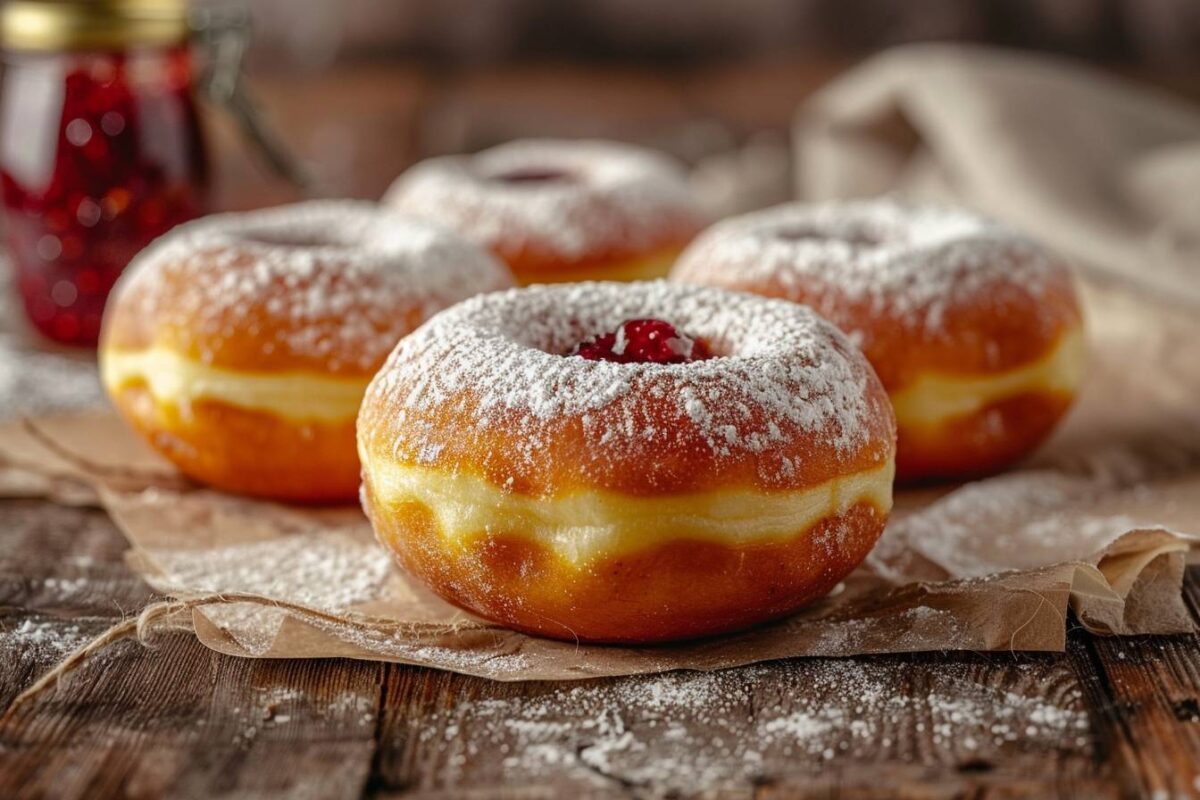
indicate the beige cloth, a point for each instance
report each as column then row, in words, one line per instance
column 1102, row 170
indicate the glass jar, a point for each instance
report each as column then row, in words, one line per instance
column 100, row 148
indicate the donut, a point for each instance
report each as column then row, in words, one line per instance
column 558, row 211
column 240, row 345
column 627, row 462
column 975, row 331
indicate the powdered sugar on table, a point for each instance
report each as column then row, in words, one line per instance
column 705, row 732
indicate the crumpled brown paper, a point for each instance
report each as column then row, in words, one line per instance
column 1096, row 523
column 1100, row 169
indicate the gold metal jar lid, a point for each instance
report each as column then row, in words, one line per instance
column 47, row 25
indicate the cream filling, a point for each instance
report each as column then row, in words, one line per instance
column 935, row 399
column 174, row 378
column 586, row 524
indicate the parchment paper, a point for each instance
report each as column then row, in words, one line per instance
column 1098, row 522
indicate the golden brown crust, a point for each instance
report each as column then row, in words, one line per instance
column 325, row 287
column 981, row 443
column 462, row 396
column 533, row 264
column 924, row 292
column 557, row 210
column 1005, row 332
column 1004, row 328
column 232, row 336
column 567, row 460
column 639, row 597
column 486, row 390
column 248, row 452
column 316, row 291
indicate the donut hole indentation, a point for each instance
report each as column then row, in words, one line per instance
column 295, row 240
column 534, row 176
column 647, row 340
column 809, row 233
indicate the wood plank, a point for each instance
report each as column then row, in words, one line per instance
column 1146, row 692
column 799, row 701
column 177, row 719
column 32, row 643
column 36, row 532
column 277, row 728
column 65, row 561
column 185, row 721
column 945, row 724
column 62, row 582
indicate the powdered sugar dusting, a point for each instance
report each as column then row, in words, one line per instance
column 609, row 195
column 1032, row 519
column 46, row 639
column 699, row 733
column 405, row 643
column 497, row 361
column 327, row 571
column 909, row 262
column 331, row 280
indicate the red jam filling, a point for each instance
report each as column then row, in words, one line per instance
column 126, row 165
column 644, row 341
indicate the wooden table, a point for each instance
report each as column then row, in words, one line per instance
column 1110, row 717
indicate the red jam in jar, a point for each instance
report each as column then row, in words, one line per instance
column 100, row 152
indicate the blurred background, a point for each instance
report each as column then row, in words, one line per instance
column 99, row 152
column 361, row 88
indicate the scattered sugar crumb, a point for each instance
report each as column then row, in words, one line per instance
column 709, row 732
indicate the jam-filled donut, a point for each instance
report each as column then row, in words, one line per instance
column 240, row 345
column 974, row 330
column 627, row 462
column 559, row 211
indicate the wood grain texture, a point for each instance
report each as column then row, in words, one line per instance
column 64, row 559
column 177, row 719
column 1147, row 693
column 797, row 728
column 1109, row 718
column 183, row 721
